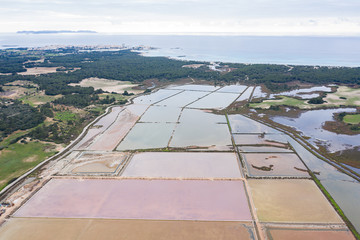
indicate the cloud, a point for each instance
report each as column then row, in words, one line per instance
column 280, row 17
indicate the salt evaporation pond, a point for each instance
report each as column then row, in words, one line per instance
column 161, row 114
column 301, row 234
column 326, row 173
column 291, row 201
column 245, row 95
column 194, row 115
column 270, row 149
column 156, row 96
column 200, row 129
column 182, row 99
column 194, row 87
column 258, row 93
column 183, row 165
column 95, row 229
column 310, row 124
column 241, row 124
column 232, row 89
column 147, row 136
column 215, row 100
column 278, row 165
column 200, row 135
column 140, row 199
column 347, row 195
column 99, row 127
column 217, row 200
column 259, row 139
column 116, row 132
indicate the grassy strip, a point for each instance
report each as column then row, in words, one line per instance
column 336, row 206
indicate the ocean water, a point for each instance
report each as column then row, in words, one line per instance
column 324, row 51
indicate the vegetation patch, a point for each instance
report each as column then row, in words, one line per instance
column 352, row 118
column 65, row 116
column 282, row 101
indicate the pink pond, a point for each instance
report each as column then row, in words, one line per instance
column 116, row 132
column 140, row 199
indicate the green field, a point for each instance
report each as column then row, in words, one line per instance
column 18, row 158
column 65, row 116
column 352, row 118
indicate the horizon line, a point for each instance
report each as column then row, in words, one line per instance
column 75, row 32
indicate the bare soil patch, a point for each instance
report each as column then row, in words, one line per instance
column 39, row 70
column 107, row 85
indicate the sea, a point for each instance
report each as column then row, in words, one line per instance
column 319, row 51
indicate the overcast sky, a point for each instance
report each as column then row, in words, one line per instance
column 250, row 17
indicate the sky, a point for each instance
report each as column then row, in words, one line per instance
column 239, row 17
